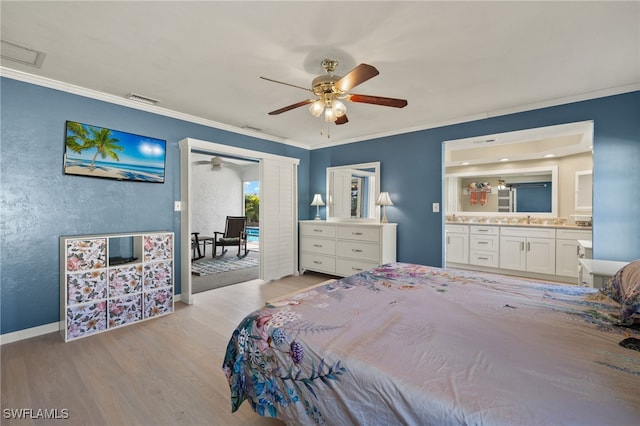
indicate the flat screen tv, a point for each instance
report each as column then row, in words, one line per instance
column 111, row 154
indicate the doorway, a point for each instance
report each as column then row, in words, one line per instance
column 220, row 187
column 278, row 256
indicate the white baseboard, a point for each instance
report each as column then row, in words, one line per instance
column 28, row 333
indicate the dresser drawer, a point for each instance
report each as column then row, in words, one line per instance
column 346, row 267
column 318, row 245
column 359, row 250
column 318, row 262
column 484, row 242
column 317, row 230
column 359, row 233
column 484, row 258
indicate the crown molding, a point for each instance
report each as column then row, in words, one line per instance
column 617, row 90
column 94, row 94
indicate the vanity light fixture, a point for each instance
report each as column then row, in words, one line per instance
column 317, row 201
column 384, row 200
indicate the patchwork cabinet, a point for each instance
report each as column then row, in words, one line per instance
column 110, row 281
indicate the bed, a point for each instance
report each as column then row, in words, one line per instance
column 416, row 345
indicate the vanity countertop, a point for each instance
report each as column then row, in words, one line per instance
column 519, row 224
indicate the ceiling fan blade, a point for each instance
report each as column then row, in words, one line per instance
column 342, row 120
column 287, row 84
column 358, row 75
column 293, row 106
column 377, row 100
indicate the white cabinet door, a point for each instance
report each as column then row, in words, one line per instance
column 513, row 253
column 528, row 254
column 567, row 258
column 457, row 247
column 541, row 255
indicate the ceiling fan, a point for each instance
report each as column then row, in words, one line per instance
column 331, row 89
column 216, row 163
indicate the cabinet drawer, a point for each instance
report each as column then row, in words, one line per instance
column 483, row 230
column 317, row 230
column 358, row 250
column 528, row 232
column 572, row 234
column 318, row 245
column 346, row 267
column 318, row 262
column 360, row 233
column 457, row 229
column 484, row 258
column 482, row 242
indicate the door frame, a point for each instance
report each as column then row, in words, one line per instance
column 186, row 146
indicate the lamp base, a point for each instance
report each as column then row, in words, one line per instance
column 317, row 218
column 384, row 219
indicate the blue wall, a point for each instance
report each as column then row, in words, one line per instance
column 39, row 203
column 411, row 171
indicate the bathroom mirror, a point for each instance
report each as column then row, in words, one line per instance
column 504, row 192
column 351, row 192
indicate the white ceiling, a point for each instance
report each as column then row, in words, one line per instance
column 452, row 61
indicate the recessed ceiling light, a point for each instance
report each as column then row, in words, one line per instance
column 549, row 155
column 465, row 163
column 504, row 159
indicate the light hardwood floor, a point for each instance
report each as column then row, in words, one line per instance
column 165, row 371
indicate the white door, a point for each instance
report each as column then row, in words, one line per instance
column 278, row 219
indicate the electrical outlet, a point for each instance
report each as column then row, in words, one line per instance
column 436, row 207
column 177, row 206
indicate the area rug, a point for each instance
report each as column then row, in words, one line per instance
column 215, row 266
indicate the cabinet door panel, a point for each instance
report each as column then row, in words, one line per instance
column 457, row 248
column 541, row 255
column 512, row 253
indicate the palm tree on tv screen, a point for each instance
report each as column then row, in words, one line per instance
column 99, row 138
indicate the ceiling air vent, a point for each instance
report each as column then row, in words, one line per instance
column 143, row 99
column 22, row 54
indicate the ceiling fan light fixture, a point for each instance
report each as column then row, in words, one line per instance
column 316, row 108
column 329, row 115
column 338, row 108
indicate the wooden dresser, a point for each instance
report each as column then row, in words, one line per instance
column 345, row 248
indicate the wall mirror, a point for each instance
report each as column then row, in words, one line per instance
column 541, row 171
column 351, row 192
column 504, row 192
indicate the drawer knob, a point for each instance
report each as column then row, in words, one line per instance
column 356, row 250
column 356, row 233
column 317, row 245
column 357, row 269
column 317, row 262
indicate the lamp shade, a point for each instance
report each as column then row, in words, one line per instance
column 317, row 200
column 384, row 199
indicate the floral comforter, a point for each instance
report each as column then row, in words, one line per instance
column 417, row 345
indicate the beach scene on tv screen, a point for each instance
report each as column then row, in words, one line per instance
column 111, row 154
